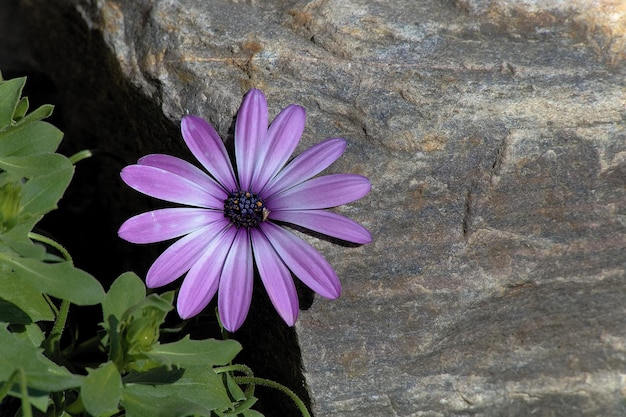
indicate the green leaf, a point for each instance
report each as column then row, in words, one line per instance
column 199, row 391
column 30, row 139
column 18, row 240
column 117, row 353
column 61, row 280
column 20, row 302
column 39, row 113
column 41, row 373
column 155, row 376
column 10, row 92
column 251, row 413
column 243, row 406
column 101, row 391
column 8, row 178
column 145, row 400
column 189, row 353
column 157, row 302
column 38, row 399
column 10, row 313
column 126, row 291
column 41, row 194
column 34, row 165
column 21, row 109
column 30, row 332
column 234, row 389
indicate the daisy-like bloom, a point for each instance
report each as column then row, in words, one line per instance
column 236, row 218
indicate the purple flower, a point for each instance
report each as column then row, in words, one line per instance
column 236, row 220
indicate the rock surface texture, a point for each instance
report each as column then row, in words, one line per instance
column 494, row 133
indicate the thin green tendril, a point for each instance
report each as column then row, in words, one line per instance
column 272, row 384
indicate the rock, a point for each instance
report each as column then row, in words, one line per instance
column 494, row 135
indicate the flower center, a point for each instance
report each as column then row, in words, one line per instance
column 245, row 209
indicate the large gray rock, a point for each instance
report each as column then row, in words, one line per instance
column 494, row 135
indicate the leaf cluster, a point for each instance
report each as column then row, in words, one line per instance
column 147, row 378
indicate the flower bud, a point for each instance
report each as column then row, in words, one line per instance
column 142, row 333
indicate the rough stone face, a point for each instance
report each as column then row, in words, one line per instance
column 494, row 133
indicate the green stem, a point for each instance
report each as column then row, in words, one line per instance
column 50, row 242
column 61, row 319
column 79, row 156
column 19, row 377
column 27, row 411
column 234, row 368
column 59, row 323
column 272, row 384
column 54, row 308
column 13, row 379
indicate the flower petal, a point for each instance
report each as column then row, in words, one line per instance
column 276, row 278
column 325, row 222
column 282, row 138
column 321, row 192
column 250, row 129
column 165, row 185
column 235, row 289
column 208, row 148
column 186, row 170
column 304, row 166
column 178, row 258
column 201, row 282
column 164, row 224
column 303, row 260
